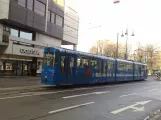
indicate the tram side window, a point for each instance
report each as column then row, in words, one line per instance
column 105, row 67
column 63, row 64
column 93, row 63
column 50, row 59
column 110, row 65
column 121, row 67
column 128, row 67
column 99, row 66
column 82, row 62
column 142, row 68
column 71, row 65
column 136, row 68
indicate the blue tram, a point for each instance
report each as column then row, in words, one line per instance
column 63, row 66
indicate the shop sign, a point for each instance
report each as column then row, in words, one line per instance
column 29, row 51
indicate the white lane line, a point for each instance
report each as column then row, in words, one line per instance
column 128, row 95
column 14, row 97
column 69, row 108
column 96, row 93
column 152, row 89
column 76, row 89
column 46, row 93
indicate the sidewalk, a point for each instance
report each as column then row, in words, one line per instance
column 19, row 81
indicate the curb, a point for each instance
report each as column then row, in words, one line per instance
column 153, row 115
column 21, row 88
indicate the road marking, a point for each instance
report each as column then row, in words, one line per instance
column 96, row 93
column 128, row 95
column 14, row 97
column 152, row 89
column 132, row 107
column 69, row 108
column 76, row 89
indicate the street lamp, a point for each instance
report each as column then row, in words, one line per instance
column 127, row 35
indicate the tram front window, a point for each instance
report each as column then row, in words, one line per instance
column 50, row 59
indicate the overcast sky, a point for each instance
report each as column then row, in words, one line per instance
column 142, row 16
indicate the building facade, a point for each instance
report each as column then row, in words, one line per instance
column 26, row 27
column 71, row 24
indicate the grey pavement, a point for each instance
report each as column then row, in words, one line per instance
column 124, row 101
column 19, row 81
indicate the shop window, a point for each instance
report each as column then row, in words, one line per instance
column 26, row 35
column 30, row 4
column 14, row 32
column 22, row 3
column 39, row 8
column 59, row 20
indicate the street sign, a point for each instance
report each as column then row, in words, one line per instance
column 132, row 107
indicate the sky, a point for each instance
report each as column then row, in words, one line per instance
column 102, row 19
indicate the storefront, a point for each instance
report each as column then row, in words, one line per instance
column 24, row 61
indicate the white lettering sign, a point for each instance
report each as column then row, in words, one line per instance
column 29, row 51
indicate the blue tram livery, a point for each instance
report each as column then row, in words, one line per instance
column 63, row 66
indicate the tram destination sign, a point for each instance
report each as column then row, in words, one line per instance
column 29, row 51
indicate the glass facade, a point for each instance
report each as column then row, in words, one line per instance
column 49, row 15
column 39, row 8
column 59, row 20
column 26, row 35
column 30, row 4
column 22, row 3
column 53, row 17
column 19, row 33
column 14, row 32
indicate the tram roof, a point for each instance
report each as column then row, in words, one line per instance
column 57, row 49
column 127, row 61
column 139, row 63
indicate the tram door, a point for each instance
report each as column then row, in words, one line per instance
column 67, row 69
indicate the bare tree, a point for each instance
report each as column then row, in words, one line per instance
column 148, row 54
column 107, row 48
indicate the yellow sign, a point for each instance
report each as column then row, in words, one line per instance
column 59, row 2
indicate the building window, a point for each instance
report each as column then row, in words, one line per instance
column 22, row 3
column 59, row 20
column 39, row 8
column 26, row 35
column 53, row 17
column 6, row 29
column 14, row 32
column 49, row 15
column 30, row 4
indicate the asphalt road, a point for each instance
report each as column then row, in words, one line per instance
column 125, row 101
